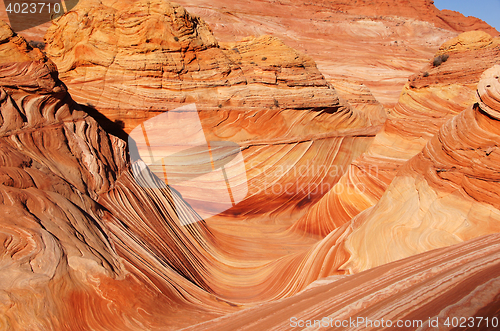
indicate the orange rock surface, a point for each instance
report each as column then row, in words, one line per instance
column 137, row 72
column 422, row 292
column 379, row 43
column 61, row 266
column 258, row 93
column 351, row 210
column 446, row 194
column 386, row 40
column 428, row 101
column 87, row 229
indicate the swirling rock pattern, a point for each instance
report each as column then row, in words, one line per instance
column 100, row 45
column 85, row 245
column 397, row 37
column 435, row 282
column 446, row 194
column 427, row 102
column 75, row 214
column 60, row 269
column 378, row 43
column 256, row 92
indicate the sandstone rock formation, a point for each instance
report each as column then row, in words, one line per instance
column 427, row 102
column 130, row 70
column 397, row 37
column 256, row 93
column 93, row 239
column 379, row 43
column 58, row 169
column 422, row 10
column 425, row 291
column 444, row 195
column 104, row 238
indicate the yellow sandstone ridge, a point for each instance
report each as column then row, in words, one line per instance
column 472, row 40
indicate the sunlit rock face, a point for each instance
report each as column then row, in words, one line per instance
column 428, row 101
column 97, row 238
column 336, row 185
column 423, row 10
column 397, row 37
column 61, row 267
column 266, row 97
column 378, row 43
column 424, row 291
column 82, row 230
column 133, row 69
column 446, row 194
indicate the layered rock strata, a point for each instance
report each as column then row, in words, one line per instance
column 82, row 228
column 268, row 98
column 103, row 248
column 428, row 100
column 427, row 291
column 446, row 194
column 378, row 43
column 57, row 167
column 132, row 69
column 397, row 37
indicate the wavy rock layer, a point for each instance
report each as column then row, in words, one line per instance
column 104, row 249
column 56, row 163
column 105, row 238
column 427, row 102
column 132, row 69
column 461, row 280
column 446, row 194
column 397, row 37
column 379, row 43
column 256, row 93
column 80, row 228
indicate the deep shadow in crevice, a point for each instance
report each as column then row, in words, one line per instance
column 116, row 128
column 113, row 127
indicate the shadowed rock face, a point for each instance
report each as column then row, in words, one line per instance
column 329, row 193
